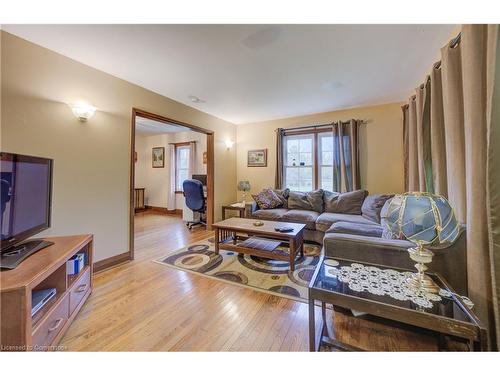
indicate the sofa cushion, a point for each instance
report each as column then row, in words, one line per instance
column 283, row 196
column 310, row 201
column 326, row 219
column 302, row 216
column 368, row 230
column 267, row 198
column 372, row 205
column 345, row 203
column 274, row 214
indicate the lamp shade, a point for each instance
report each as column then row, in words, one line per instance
column 244, row 186
column 422, row 218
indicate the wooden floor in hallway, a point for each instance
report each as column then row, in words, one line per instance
column 144, row 306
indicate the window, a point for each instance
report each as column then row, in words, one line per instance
column 326, row 160
column 181, row 166
column 298, row 162
column 312, row 161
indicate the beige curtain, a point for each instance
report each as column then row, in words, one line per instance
column 450, row 122
column 493, row 168
column 437, row 134
column 278, row 182
column 405, row 144
column 192, row 159
column 412, row 150
column 171, row 205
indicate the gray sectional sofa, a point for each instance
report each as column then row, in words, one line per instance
column 350, row 226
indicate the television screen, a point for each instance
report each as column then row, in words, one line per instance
column 26, row 196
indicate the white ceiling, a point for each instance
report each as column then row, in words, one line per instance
column 248, row 73
column 146, row 127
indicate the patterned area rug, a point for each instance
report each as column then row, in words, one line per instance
column 266, row 275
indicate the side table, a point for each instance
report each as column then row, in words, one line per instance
column 378, row 291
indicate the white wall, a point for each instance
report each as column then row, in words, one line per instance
column 154, row 180
column 92, row 159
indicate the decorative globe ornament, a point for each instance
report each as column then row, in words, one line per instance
column 426, row 220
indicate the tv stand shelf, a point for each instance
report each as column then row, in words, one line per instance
column 45, row 269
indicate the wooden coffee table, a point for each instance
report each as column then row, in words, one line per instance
column 231, row 233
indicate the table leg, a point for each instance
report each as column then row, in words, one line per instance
column 301, row 245
column 217, row 239
column 293, row 249
column 312, row 327
column 324, row 331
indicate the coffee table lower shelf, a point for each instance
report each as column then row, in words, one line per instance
column 230, row 241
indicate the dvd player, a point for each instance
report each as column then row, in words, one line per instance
column 39, row 298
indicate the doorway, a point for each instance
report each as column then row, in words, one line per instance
column 208, row 156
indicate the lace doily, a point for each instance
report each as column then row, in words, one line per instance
column 381, row 282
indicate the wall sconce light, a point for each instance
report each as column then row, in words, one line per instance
column 83, row 111
column 229, row 144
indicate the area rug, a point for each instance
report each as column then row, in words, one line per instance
column 266, row 275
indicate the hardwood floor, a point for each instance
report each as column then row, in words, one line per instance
column 144, row 306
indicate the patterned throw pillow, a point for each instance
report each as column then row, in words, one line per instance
column 267, row 199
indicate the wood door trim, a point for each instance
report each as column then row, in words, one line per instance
column 210, row 168
column 111, row 261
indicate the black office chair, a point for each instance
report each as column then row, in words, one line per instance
column 195, row 200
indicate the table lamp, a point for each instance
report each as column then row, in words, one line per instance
column 424, row 219
column 244, row 186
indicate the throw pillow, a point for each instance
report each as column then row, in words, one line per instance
column 330, row 198
column 372, row 206
column 311, row 200
column 267, row 199
column 345, row 203
column 283, row 196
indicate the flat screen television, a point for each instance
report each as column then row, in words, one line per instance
column 26, row 192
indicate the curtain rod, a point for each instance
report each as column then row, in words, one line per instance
column 312, row 127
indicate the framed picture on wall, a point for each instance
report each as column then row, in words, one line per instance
column 257, row 158
column 158, row 157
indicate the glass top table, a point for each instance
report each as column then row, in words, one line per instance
column 381, row 291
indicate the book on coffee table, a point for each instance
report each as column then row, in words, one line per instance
column 260, row 243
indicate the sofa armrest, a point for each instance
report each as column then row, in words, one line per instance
column 254, row 207
column 353, row 246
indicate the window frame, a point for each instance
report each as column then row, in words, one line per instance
column 316, row 134
column 285, row 165
column 177, row 148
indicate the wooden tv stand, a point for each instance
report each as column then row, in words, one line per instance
column 45, row 269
